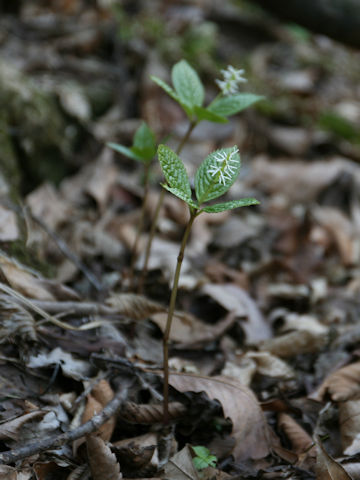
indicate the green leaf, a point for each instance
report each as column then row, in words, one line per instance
column 221, row 207
column 180, row 194
column 232, row 104
column 127, row 152
column 205, row 114
column 169, row 90
column 210, row 185
column 174, row 171
column 203, row 458
column 187, row 84
column 144, row 142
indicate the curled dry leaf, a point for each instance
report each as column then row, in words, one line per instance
column 12, row 428
column 270, row 365
column 188, row 329
column 342, row 385
column 236, row 300
column 150, row 414
column 294, row 343
column 349, row 420
column 101, row 395
column 300, row 440
column 250, row 429
column 15, row 321
column 326, row 467
column 134, row 306
column 103, row 463
column 137, row 453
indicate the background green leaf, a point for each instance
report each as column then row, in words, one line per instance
column 187, row 84
column 232, row 104
column 221, row 207
column 207, row 186
column 144, row 142
column 169, row 90
column 128, row 152
column 174, row 171
column 205, row 114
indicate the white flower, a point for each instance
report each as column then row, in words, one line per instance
column 232, row 78
column 225, row 166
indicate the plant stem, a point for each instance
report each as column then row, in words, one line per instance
column 154, row 222
column 180, row 257
column 140, row 225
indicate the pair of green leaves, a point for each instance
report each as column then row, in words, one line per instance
column 203, row 458
column 143, row 148
column 189, row 92
column 208, row 184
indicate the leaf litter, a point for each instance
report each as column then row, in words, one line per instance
column 266, row 331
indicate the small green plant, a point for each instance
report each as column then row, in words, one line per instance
column 214, row 177
column 203, row 458
column 142, row 150
column 189, row 92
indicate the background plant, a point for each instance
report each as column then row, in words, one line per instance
column 213, row 179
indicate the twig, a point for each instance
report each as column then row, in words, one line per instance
column 56, row 441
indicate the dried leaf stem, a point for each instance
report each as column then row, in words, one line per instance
column 159, row 204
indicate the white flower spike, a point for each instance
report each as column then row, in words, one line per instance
column 232, row 78
column 225, row 166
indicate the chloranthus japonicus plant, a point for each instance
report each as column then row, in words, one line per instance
column 213, row 179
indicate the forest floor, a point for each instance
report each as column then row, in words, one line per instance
column 264, row 354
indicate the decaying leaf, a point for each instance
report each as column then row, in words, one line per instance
column 236, row 300
column 134, row 306
column 270, row 365
column 101, row 395
column 349, row 421
column 103, row 463
column 341, row 385
column 294, row 343
column 11, row 473
column 243, row 370
column 12, row 428
column 71, row 367
column 181, row 467
column 15, row 321
column 9, row 230
column 326, row 467
column 250, row 429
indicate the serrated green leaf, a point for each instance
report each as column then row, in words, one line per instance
column 169, row 90
column 210, row 185
column 174, row 171
column 232, row 104
column 205, row 114
column 221, row 207
column 144, row 142
column 180, row 194
column 203, row 458
column 127, row 152
column 187, row 84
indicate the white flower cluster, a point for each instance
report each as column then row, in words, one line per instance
column 225, row 166
column 232, row 78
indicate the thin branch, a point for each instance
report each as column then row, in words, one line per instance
column 57, row 441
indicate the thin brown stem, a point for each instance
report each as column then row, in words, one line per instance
column 140, row 225
column 171, row 314
column 159, row 204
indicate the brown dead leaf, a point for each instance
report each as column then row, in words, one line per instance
column 326, row 467
column 250, row 429
column 181, row 467
column 187, row 329
column 349, row 421
column 299, row 438
column 103, row 463
column 236, row 300
column 47, row 204
column 102, row 392
column 294, row 343
column 270, row 365
column 11, row 473
column 95, row 406
column 134, row 306
column 11, row 429
column 341, row 385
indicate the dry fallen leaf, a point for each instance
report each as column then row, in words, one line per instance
column 101, row 395
column 271, row 366
column 250, row 429
column 341, row 385
column 181, row 467
column 236, row 300
column 134, row 306
column 103, row 463
column 9, row 230
column 326, row 467
column 294, row 343
column 349, row 421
